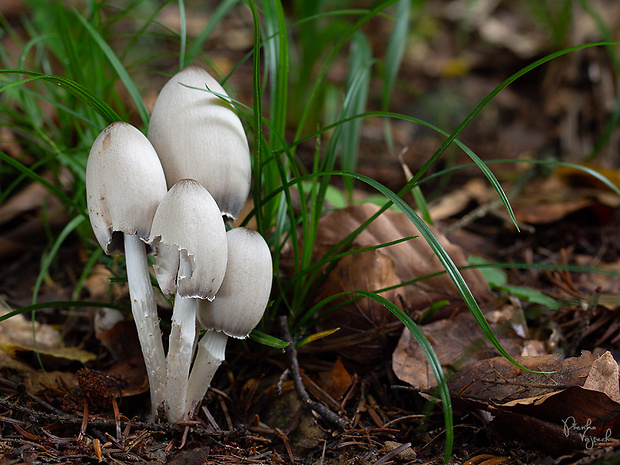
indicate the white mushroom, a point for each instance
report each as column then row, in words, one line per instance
column 189, row 238
column 124, row 185
column 237, row 309
column 198, row 135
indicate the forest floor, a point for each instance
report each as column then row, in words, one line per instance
column 91, row 403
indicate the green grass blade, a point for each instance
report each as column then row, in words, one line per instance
column 220, row 12
column 135, row 95
column 438, row 250
column 356, row 96
column 266, row 339
column 344, row 38
column 433, row 361
column 75, row 88
column 49, row 258
column 395, row 50
column 183, row 34
column 414, row 181
column 553, row 163
column 258, row 117
column 276, row 56
column 62, row 304
column 36, row 177
column 443, row 257
column 452, row 137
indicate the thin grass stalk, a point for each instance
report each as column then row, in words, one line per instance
column 135, row 95
column 276, row 59
column 393, row 59
column 73, row 87
column 182, row 34
column 333, row 53
column 215, row 18
column 49, row 257
column 258, row 127
column 358, row 83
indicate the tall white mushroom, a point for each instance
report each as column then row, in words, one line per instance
column 189, row 238
column 198, row 135
column 124, row 185
column 237, row 309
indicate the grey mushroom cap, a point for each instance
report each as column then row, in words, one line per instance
column 124, row 184
column 198, row 135
column 242, row 299
column 189, row 239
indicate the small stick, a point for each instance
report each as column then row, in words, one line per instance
column 319, row 408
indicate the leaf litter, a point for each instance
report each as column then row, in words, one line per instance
column 64, row 417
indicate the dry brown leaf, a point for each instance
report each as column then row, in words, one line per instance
column 29, row 198
column 370, row 271
column 497, row 380
column 455, row 202
column 384, row 267
column 21, row 331
column 25, row 206
column 412, row 259
column 574, row 418
column 456, row 341
column 551, row 408
column 336, row 381
column 603, row 377
column 58, row 358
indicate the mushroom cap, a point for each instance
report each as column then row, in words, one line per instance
column 244, row 294
column 189, row 239
column 124, row 184
column 198, row 135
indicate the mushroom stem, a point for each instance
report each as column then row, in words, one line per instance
column 144, row 310
column 180, row 352
column 211, row 354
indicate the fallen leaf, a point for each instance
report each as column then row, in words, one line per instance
column 372, row 270
column 369, row 270
column 412, row 258
column 576, row 418
column 19, row 330
column 456, row 341
column 603, row 377
column 550, row 408
column 497, row 380
column 58, row 357
column 336, row 381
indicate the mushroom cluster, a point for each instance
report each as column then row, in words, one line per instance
column 173, row 194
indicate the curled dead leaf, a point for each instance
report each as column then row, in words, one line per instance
column 456, row 341
column 379, row 268
column 550, row 406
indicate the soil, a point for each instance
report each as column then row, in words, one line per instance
column 90, row 405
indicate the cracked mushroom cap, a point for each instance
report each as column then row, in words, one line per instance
column 124, row 184
column 244, row 294
column 189, row 239
column 198, row 135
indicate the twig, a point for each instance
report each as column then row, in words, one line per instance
column 319, row 408
column 21, row 388
column 390, row 455
column 97, row 422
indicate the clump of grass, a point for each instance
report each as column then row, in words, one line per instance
column 73, row 60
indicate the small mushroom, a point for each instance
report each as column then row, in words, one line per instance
column 198, row 135
column 124, row 185
column 189, row 239
column 237, row 309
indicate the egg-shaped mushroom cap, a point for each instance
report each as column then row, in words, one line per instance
column 242, row 299
column 189, row 239
column 198, row 135
column 124, row 184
